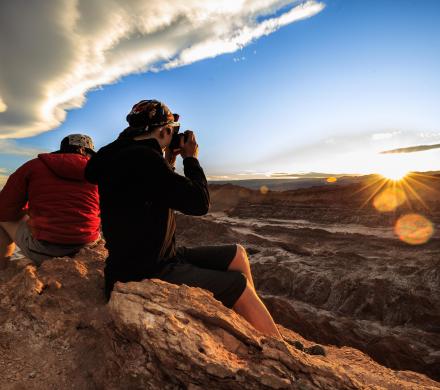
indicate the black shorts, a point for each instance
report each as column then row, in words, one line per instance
column 206, row 267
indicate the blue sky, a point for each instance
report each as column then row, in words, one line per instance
column 326, row 93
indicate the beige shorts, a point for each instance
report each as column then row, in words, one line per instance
column 39, row 250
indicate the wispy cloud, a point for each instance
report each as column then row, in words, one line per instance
column 412, row 149
column 238, row 59
column 3, row 177
column 383, row 136
column 307, row 175
column 12, row 148
column 60, row 50
column 355, row 153
column 218, row 177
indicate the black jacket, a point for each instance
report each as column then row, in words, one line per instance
column 138, row 191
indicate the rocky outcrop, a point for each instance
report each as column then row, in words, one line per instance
column 53, row 323
column 194, row 341
column 333, row 272
column 56, row 331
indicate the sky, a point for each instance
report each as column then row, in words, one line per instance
column 270, row 87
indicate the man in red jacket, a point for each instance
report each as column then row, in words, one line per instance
column 47, row 207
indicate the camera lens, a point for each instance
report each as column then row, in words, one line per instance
column 175, row 141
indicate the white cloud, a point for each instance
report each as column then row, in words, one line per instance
column 12, row 148
column 3, row 106
column 429, row 134
column 54, row 52
column 238, row 59
column 3, row 177
column 382, row 136
column 218, row 177
column 354, row 153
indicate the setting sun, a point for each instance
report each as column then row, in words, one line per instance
column 394, row 173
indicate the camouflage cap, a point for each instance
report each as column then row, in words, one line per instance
column 149, row 113
column 77, row 140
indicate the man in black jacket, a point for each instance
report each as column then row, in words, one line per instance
column 139, row 192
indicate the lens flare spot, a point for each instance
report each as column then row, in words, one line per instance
column 414, row 229
column 332, row 180
column 389, row 199
column 264, row 190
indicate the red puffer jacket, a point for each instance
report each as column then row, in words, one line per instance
column 63, row 206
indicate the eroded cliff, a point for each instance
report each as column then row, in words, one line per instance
column 56, row 331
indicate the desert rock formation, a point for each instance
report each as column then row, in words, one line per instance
column 335, row 271
column 57, row 332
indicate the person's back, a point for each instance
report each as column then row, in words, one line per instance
column 125, row 201
column 63, row 207
column 47, row 207
column 138, row 192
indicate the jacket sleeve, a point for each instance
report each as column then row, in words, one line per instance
column 188, row 194
column 13, row 196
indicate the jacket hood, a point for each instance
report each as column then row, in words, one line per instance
column 65, row 165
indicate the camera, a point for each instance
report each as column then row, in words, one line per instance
column 175, row 141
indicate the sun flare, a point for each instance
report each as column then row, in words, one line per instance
column 394, row 173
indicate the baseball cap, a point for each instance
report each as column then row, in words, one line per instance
column 78, row 140
column 148, row 113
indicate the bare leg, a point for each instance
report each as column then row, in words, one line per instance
column 249, row 305
column 241, row 263
column 252, row 309
column 7, row 248
column 8, row 231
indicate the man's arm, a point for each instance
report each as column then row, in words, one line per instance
column 189, row 194
column 13, row 197
column 148, row 173
column 194, row 199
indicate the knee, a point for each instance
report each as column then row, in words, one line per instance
column 241, row 252
column 240, row 261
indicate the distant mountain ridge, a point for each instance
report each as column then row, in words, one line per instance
column 307, row 180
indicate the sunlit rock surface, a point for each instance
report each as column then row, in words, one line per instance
column 331, row 267
column 57, row 332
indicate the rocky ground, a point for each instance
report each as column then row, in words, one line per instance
column 56, row 332
column 335, row 271
column 330, row 271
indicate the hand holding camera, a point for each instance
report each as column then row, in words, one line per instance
column 188, row 145
column 182, row 143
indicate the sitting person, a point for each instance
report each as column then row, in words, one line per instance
column 47, row 208
column 139, row 192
